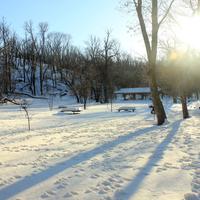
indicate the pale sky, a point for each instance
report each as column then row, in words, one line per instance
column 79, row 18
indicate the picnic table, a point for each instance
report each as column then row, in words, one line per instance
column 126, row 108
column 74, row 110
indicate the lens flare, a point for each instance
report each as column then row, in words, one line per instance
column 189, row 32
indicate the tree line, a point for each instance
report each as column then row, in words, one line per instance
column 43, row 61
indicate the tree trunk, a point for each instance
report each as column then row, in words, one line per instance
column 85, row 103
column 41, row 78
column 157, row 103
column 197, row 95
column 105, row 91
column 174, row 99
column 184, row 107
column 24, row 69
column 34, row 80
column 151, row 50
column 96, row 93
column 77, row 96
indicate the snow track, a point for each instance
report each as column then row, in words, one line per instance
column 98, row 155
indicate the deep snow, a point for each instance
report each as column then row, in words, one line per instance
column 99, row 154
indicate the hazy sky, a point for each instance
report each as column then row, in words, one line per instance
column 79, row 18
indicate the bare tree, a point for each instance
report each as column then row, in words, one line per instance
column 43, row 28
column 6, row 44
column 33, row 53
column 93, row 54
column 109, row 51
column 59, row 47
column 24, row 105
column 151, row 44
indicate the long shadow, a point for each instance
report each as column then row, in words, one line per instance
column 130, row 190
column 30, row 181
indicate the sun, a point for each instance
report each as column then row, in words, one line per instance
column 189, row 32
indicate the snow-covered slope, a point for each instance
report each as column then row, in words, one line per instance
column 98, row 154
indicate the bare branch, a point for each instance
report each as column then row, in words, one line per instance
column 138, row 7
column 166, row 13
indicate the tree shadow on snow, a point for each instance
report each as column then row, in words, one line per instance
column 129, row 191
column 32, row 180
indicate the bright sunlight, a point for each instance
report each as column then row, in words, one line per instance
column 189, row 32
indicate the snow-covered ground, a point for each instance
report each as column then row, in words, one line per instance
column 98, row 154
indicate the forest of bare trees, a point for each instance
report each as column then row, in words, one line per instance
column 42, row 62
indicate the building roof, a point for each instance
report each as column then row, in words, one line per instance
column 139, row 90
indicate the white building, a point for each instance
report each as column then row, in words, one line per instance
column 134, row 93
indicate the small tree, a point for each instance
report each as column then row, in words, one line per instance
column 51, row 100
column 24, row 104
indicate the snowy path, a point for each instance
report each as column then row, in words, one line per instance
column 98, row 155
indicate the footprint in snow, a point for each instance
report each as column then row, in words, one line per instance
column 67, row 195
column 94, row 176
column 191, row 196
column 17, row 177
column 102, row 191
column 108, row 198
column 88, row 191
column 60, row 187
column 74, row 193
column 196, row 182
column 51, row 192
column 44, row 196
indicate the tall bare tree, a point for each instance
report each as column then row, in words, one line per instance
column 5, row 42
column 151, row 44
column 43, row 28
column 93, row 54
column 109, row 51
column 33, row 53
